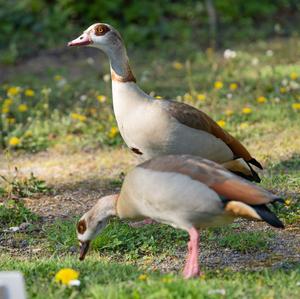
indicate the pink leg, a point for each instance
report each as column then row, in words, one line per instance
column 142, row 223
column 191, row 268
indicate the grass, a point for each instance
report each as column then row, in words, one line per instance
column 72, row 118
column 110, row 280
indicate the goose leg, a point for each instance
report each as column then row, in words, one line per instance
column 192, row 268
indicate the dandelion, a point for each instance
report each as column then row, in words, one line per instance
column 6, row 105
column 77, row 116
column 177, row 65
column 233, row 86
column 287, row 202
column 201, row 97
column 113, row 132
column 228, row 112
column 261, row 99
column 14, row 141
column 46, row 91
column 101, row 98
column 293, row 75
column 221, row 123
column 7, row 102
column 246, row 110
column 283, row 90
column 167, row 279
column 11, row 120
column 5, row 109
column 13, row 91
column 188, row 97
column 29, row 92
column 57, row 78
column 28, row 134
column 296, row 106
column 244, row 125
column 22, row 108
column 67, row 276
column 218, row 85
column 158, row 97
column 143, row 277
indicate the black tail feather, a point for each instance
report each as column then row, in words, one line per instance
column 252, row 178
column 255, row 163
column 267, row 215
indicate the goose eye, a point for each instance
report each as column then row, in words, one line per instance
column 101, row 30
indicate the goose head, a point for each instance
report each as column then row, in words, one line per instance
column 94, row 221
column 99, row 35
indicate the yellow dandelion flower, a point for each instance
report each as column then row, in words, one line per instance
column 228, row 112
column 11, row 120
column 29, row 92
column 287, row 202
column 143, row 277
column 283, row 90
column 188, row 97
column 261, row 99
column 57, row 77
column 296, row 106
column 293, row 75
column 218, row 85
column 233, row 86
column 13, row 91
column 79, row 117
column 5, row 109
column 101, row 98
column 7, row 102
column 177, row 65
column 246, row 110
column 28, row 134
column 221, row 123
column 244, row 125
column 201, row 97
column 66, row 276
column 14, row 141
column 113, row 132
column 22, row 108
column 158, row 97
column 167, row 279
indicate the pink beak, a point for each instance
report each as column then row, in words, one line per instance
column 82, row 40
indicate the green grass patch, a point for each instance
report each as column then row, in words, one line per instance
column 111, row 280
column 13, row 213
column 242, row 241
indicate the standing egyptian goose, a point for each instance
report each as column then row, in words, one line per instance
column 190, row 193
column 152, row 127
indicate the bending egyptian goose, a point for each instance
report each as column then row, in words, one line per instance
column 152, row 127
column 190, row 193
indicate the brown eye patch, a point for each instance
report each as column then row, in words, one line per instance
column 101, row 29
column 81, row 226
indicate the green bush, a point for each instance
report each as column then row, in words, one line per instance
column 29, row 25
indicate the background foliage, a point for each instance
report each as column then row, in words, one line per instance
column 29, row 25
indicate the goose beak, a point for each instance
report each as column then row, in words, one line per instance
column 82, row 40
column 84, row 247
